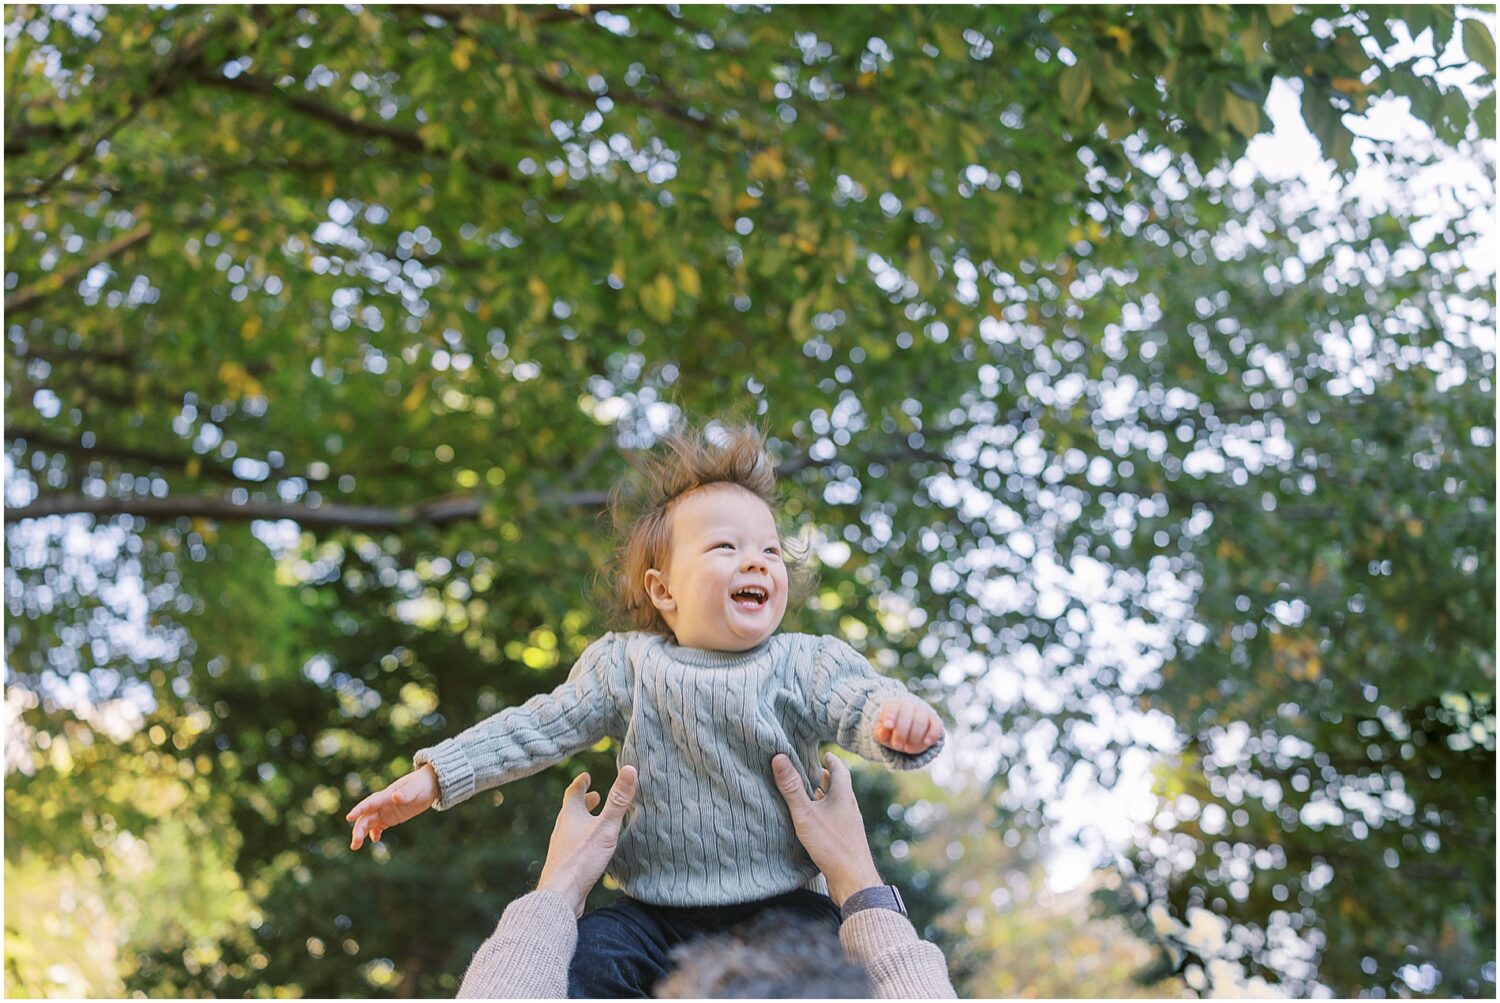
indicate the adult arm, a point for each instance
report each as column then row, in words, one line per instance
column 527, row 956
column 832, row 830
column 529, row 952
column 901, row 964
column 520, row 741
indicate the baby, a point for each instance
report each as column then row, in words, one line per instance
column 699, row 699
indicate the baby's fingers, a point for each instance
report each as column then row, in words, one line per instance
column 369, row 805
column 357, row 839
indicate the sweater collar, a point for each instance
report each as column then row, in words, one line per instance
column 704, row 658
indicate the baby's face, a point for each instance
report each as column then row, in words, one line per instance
column 725, row 585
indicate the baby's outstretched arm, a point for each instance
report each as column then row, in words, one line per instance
column 514, row 743
column 870, row 715
column 407, row 798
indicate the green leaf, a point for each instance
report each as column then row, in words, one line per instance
column 1486, row 115
column 1074, row 87
column 1161, row 35
column 1210, row 108
column 1479, row 44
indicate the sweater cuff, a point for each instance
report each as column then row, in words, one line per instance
column 901, row 964
column 897, row 760
column 454, row 772
column 543, row 917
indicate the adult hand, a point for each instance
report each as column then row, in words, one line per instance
column 406, row 798
column 831, row 828
column 582, row 843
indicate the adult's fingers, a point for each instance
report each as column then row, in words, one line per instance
column 839, row 781
column 621, row 793
column 591, row 800
column 576, row 790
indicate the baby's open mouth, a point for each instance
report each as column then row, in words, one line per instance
column 750, row 597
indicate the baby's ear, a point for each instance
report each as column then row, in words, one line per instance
column 658, row 592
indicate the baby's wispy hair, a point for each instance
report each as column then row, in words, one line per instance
column 642, row 503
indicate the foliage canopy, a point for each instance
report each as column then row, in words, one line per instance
column 411, row 277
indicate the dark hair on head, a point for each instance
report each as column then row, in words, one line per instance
column 777, row 955
column 641, row 505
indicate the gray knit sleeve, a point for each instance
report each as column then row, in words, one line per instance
column 845, row 694
column 520, row 741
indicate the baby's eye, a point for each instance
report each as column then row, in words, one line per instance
column 718, row 545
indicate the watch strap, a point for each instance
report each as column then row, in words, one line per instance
column 877, row 897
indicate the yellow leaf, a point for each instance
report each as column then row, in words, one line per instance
column 192, row 466
column 767, row 164
column 414, row 398
column 1121, row 36
column 1319, row 573
column 461, row 52
column 667, row 293
column 687, row 278
column 251, row 328
column 1415, row 528
column 537, row 288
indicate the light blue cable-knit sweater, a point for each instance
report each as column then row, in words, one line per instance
column 708, row 826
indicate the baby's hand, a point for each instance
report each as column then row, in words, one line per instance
column 406, row 798
column 907, row 725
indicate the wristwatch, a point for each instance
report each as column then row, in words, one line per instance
column 878, row 897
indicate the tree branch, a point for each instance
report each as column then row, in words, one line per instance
column 406, row 140
column 433, row 512
column 45, row 440
column 23, row 299
column 462, row 506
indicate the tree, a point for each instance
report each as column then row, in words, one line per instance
column 412, row 278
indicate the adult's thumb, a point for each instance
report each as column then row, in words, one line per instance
column 787, row 780
column 621, row 794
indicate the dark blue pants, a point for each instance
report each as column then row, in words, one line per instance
column 623, row 948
